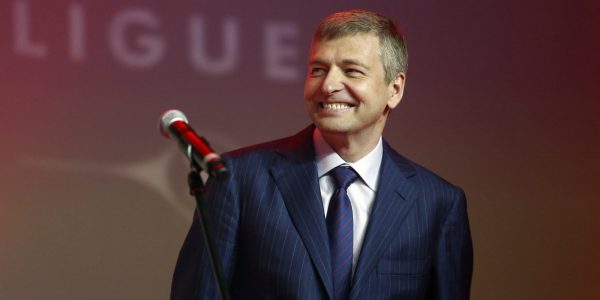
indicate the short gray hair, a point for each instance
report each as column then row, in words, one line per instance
column 394, row 55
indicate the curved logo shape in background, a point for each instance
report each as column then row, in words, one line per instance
column 151, row 173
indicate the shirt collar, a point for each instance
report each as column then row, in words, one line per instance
column 367, row 167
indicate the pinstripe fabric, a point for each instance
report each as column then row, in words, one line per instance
column 269, row 228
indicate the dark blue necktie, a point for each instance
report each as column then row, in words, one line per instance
column 340, row 228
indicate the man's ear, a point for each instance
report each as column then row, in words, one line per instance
column 396, row 90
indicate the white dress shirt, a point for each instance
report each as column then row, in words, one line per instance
column 361, row 192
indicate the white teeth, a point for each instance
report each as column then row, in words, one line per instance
column 335, row 105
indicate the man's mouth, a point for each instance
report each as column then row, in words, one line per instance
column 335, row 106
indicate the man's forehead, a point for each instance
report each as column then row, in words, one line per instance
column 364, row 41
column 356, row 35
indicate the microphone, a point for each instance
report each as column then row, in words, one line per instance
column 173, row 124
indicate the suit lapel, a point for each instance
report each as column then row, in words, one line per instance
column 395, row 197
column 295, row 175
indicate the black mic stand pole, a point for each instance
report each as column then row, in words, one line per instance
column 197, row 190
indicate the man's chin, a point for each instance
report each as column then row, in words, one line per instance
column 332, row 127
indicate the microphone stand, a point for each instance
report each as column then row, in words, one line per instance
column 197, row 190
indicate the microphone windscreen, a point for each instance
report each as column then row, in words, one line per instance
column 167, row 118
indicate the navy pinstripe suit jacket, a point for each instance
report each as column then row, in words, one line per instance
column 268, row 224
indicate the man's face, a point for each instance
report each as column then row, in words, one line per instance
column 345, row 91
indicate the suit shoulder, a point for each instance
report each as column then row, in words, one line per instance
column 300, row 142
column 422, row 174
column 265, row 148
column 429, row 175
column 262, row 148
column 436, row 190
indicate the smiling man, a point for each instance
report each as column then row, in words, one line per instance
column 347, row 93
column 334, row 212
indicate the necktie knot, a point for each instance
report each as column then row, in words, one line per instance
column 343, row 176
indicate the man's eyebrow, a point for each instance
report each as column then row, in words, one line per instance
column 355, row 62
column 316, row 62
column 344, row 62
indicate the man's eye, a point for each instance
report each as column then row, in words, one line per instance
column 317, row 71
column 353, row 72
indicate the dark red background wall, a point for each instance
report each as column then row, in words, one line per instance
column 501, row 99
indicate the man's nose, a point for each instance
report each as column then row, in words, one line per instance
column 334, row 81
